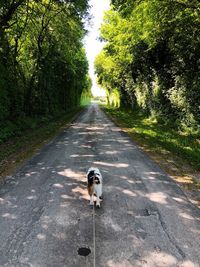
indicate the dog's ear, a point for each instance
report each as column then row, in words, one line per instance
column 91, row 173
column 90, row 179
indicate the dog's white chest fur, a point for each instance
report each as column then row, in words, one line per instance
column 94, row 180
column 97, row 189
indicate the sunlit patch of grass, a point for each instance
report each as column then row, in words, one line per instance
column 158, row 137
column 178, row 153
column 186, row 180
column 85, row 101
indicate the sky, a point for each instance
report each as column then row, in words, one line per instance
column 92, row 45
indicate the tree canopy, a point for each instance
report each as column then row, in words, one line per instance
column 152, row 57
column 43, row 65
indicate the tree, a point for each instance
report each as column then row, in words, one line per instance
column 154, row 46
column 43, row 66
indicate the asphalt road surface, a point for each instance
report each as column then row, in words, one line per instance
column 145, row 219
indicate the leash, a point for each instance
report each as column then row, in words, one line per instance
column 94, row 235
column 94, row 230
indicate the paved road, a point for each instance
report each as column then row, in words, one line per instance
column 145, row 219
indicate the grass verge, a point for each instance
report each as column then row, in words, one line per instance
column 18, row 149
column 176, row 152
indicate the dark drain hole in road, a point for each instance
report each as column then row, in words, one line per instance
column 84, row 251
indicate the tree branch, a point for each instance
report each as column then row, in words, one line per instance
column 5, row 18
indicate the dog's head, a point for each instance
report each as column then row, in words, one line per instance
column 96, row 179
column 93, row 178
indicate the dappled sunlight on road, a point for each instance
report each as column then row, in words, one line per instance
column 187, row 216
column 144, row 219
column 66, row 197
column 117, row 165
column 82, row 192
column 9, row 216
column 129, row 193
column 58, row 185
column 78, row 156
column 111, row 152
column 78, row 176
column 41, row 237
column 158, row 197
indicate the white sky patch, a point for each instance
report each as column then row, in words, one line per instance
column 92, row 45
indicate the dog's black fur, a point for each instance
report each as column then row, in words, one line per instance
column 91, row 177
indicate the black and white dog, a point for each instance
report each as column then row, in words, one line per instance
column 94, row 185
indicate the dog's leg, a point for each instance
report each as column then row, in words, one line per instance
column 90, row 192
column 98, row 202
column 91, row 200
column 99, row 194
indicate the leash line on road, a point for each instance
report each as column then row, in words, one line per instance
column 94, row 236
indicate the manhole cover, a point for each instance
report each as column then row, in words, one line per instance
column 84, row 251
